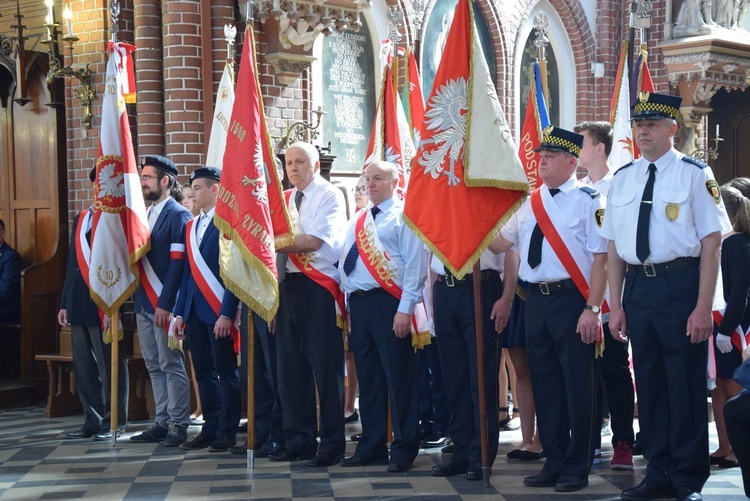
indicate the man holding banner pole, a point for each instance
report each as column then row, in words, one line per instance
column 563, row 259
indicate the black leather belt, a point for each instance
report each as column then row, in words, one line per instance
column 547, row 288
column 651, row 269
column 452, row 281
column 370, row 292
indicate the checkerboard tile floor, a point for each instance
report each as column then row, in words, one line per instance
column 37, row 462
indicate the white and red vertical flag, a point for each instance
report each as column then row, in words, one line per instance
column 534, row 122
column 466, row 178
column 413, row 97
column 222, row 114
column 619, row 115
column 642, row 82
column 119, row 229
column 250, row 210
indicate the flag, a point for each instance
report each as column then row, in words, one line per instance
column 619, row 115
column 222, row 114
column 535, row 121
column 466, row 178
column 250, row 210
column 390, row 139
column 413, row 97
column 119, row 228
column 641, row 83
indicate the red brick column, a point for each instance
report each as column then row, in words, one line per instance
column 149, row 78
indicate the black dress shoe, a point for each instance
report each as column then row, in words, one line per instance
column 200, row 441
column 449, row 469
column 323, row 460
column 435, row 439
column 646, row 490
column 398, row 466
column 241, row 449
column 291, row 455
column 81, row 433
column 715, row 460
column 352, row 418
column 571, row 484
column 475, row 473
column 448, row 449
column 514, row 455
column 356, row 460
column 356, row 437
column 728, row 463
column 541, row 479
column 268, row 448
column 531, row 456
column 221, row 444
column 687, row 493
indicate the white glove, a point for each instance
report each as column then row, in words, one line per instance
column 723, row 343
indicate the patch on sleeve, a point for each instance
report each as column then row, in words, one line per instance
column 713, row 189
column 599, row 216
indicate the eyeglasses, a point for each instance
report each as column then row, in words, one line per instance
column 360, row 190
column 146, row 178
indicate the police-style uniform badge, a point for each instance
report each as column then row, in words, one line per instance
column 713, row 190
column 672, row 211
column 599, row 217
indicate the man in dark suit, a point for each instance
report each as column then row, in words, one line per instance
column 161, row 269
column 92, row 360
column 209, row 310
column 11, row 265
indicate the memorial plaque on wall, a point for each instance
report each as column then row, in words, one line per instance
column 348, row 97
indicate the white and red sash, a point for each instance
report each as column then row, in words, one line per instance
column 150, row 281
column 205, row 279
column 307, row 263
column 568, row 249
column 740, row 339
column 83, row 256
column 381, row 267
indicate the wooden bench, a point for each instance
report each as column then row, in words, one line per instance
column 62, row 398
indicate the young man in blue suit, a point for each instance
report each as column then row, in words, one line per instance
column 209, row 311
column 161, row 269
column 92, row 361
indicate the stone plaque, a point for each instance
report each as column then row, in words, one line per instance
column 348, row 97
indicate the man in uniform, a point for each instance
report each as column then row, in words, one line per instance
column 209, row 310
column 664, row 223
column 155, row 298
column 614, row 364
column 309, row 344
column 563, row 259
column 92, row 361
column 383, row 273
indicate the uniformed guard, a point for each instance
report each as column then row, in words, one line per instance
column 664, row 222
column 383, row 271
column 563, row 259
column 209, row 310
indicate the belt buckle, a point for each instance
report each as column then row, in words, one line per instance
column 544, row 288
column 449, row 281
column 649, row 270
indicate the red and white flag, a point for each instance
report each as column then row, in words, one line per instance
column 466, row 177
column 619, row 115
column 413, row 96
column 535, row 121
column 222, row 114
column 119, row 229
column 250, row 210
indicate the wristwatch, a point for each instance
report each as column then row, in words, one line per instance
column 594, row 309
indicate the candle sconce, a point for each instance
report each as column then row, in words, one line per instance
column 302, row 131
column 707, row 154
column 85, row 93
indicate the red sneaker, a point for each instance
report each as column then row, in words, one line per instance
column 622, row 459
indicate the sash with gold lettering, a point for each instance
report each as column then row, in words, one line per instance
column 567, row 248
column 206, row 281
column 83, row 256
column 307, row 263
column 381, row 267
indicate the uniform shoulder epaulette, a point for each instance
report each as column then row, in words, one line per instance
column 590, row 191
column 695, row 161
column 624, row 167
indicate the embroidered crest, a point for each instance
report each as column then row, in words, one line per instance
column 599, row 216
column 672, row 211
column 713, row 190
column 643, row 96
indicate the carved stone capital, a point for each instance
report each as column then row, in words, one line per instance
column 288, row 67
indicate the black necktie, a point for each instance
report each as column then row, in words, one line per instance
column 298, row 199
column 642, row 249
column 537, row 237
column 351, row 257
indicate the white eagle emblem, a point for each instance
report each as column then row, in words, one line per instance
column 447, row 117
column 111, row 185
column 393, row 156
